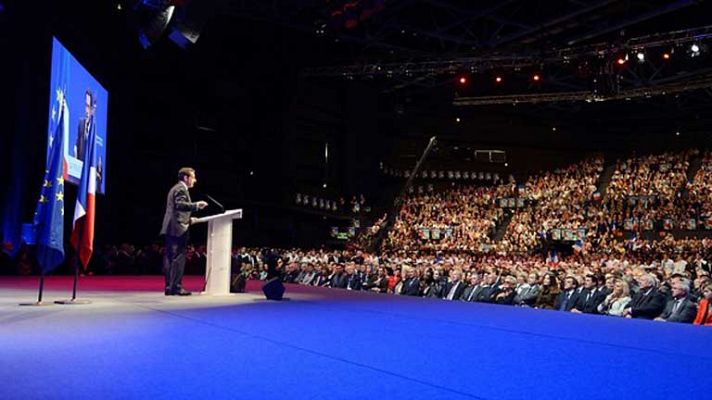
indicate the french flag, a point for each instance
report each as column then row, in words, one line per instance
column 82, row 239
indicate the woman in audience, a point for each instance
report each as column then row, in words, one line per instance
column 436, row 287
column 615, row 303
column 704, row 313
column 549, row 291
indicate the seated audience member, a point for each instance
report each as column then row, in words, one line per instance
column 680, row 308
column 338, row 278
column 616, row 302
column 548, row 293
column 590, row 297
column 506, row 293
column 455, row 287
column 704, row 313
column 323, row 279
column 648, row 303
column 353, row 280
column 411, row 284
column 470, row 293
column 395, row 281
column 380, row 282
column 436, row 288
column 425, row 282
column 489, row 288
column 309, row 275
column 568, row 297
column 527, row 296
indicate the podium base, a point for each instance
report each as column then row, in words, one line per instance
column 73, row 302
column 206, row 294
column 36, row 304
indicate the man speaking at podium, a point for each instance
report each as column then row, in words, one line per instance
column 175, row 229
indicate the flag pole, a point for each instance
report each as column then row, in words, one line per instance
column 39, row 295
column 77, row 261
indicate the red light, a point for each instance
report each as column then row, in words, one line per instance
column 536, row 77
column 621, row 61
column 498, row 79
column 462, row 80
column 666, row 56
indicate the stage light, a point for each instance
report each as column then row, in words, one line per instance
column 324, row 186
column 695, row 50
column 666, row 56
column 677, row 133
column 640, row 56
column 620, row 61
column 498, row 79
column 457, row 119
column 536, row 78
column 462, row 80
column 553, row 129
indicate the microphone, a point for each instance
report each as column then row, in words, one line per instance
column 217, row 203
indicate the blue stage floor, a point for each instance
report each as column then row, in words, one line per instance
column 327, row 344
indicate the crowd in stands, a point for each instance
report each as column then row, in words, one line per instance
column 643, row 191
column 460, row 218
column 559, row 199
column 645, row 194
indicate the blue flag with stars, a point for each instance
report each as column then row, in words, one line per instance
column 49, row 216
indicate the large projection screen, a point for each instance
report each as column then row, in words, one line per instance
column 87, row 102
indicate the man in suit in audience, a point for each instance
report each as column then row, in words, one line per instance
column 648, row 303
column 411, row 284
column 338, row 278
column 566, row 300
column 353, row 280
column 528, row 295
column 681, row 308
column 470, row 293
column 489, row 289
column 590, row 297
column 455, row 287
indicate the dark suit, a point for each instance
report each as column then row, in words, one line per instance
column 175, row 229
column 487, row 294
column 528, row 296
column 339, row 281
column 353, row 282
column 470, row 293
column 647, row 304
column 566, row 300
column 685, row 312
column 588, row 300
column 83, row 131
column 411, row 287
column 457, row 288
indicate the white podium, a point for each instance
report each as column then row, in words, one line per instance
column 217, row 270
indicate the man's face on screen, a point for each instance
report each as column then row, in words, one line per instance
column 88, row 109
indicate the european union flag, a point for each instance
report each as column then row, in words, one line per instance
column 49, row 216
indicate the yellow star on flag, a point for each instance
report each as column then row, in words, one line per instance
column 60, row 196
column 46, row 184
column 60, row 180
column 43, row 199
